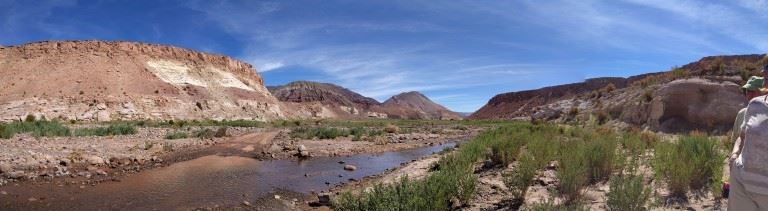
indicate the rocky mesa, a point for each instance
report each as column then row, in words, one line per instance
column 105, row 80
column 703, row 95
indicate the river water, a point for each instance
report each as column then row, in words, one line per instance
column 210, row 181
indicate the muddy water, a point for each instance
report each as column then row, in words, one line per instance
column 209, row 181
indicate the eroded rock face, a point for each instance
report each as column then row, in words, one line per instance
column 102, row 81
column 324, row 100
column 690, row 104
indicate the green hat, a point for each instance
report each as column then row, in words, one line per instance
column 754, row 83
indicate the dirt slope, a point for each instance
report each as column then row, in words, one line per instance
column 98, row 80
column 414, row 105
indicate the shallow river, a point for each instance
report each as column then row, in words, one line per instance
column 209, row 181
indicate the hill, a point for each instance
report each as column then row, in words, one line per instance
column 414, row 105
column 702, row 95
column 326, row 100
column 101, row 80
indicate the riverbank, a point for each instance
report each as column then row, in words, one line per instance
column 53, row 182
column 551, row 167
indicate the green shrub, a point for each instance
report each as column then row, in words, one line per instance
column 573, row 171
column 600, row 154
column 176, row 135
column 319, row 132
column 205, row 133
column 627, row 192
column 38, row 128
column 522, row 177
column 112, row 130
column 504, row 151
column 694, row 162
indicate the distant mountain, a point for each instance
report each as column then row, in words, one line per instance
column 308, row 91
column 325, row 100
column 414, row 105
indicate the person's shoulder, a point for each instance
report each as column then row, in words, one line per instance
column 761, row 100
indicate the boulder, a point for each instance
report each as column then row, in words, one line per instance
column 350, row 167
column 5, row 167
column 95, row 160
column 15, row 174
column 324, row 199
column 695, row 104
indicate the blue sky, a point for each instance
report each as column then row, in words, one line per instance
column 459, row 53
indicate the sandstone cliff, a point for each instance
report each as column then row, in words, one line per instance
column 98, row 80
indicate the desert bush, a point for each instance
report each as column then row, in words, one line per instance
column 111, row 130
column 390, row 128
column 572, row 171
column 694, row 162
column 205, row 133
column 600, row 153
column 504, row 151
column 176, row 135
column 627, row 192
column 319, row 132
column 38, row 128
column 522, row 177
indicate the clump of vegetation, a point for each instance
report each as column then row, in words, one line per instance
column 176, row 135
column 390, row 128
column 519, row 181
column 693, row 162
column 38, row 128
column 319, row 132
column 205, row 133
column 627, row 192
column 600, row 154
column 504, row 151
column 111, row 130
column 572, row 171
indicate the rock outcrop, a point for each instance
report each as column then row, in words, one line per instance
column 101, row 81
column 694, row 104
column 414, row 105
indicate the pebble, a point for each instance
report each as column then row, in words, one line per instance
column 3, row 193
column 32, row 199
column 350, row 167
column 246, row 203
column 277, row 196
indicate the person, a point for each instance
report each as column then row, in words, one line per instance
column 750, row 90
column 765, row 74
column 749, row 159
